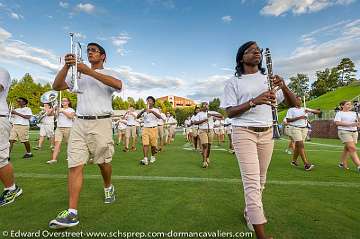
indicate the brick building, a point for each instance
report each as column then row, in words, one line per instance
column 177, row 101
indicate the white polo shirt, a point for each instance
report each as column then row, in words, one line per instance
column 239, row 90
column 121, row 124
column 131, row 118
column 228, row 123
column 5, row 82
column 20, row 120
column 96, row 97
column 204, row 115
column 48, row 120
column 162, row 120
column 296, row 112
column 63, row 121
column 346, row 117
column 193, row 119
column 150, row 120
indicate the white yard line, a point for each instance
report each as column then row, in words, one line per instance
column 192, row 179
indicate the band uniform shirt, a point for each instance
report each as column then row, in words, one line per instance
column 161, row 121
column 63, row 121
column 96, row 97
column 204, row 115
column 346, row 117
column 239, row 90
column 296, row 112
column 150, row 120
column 131, row 118
column 5, row 82
column 18, row 120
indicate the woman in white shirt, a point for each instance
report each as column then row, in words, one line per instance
column 65, row 120
column 247, row 101
column 347, row 122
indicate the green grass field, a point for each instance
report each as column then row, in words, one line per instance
column 176, row 194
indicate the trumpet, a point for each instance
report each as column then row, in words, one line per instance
column 274, row 107
column 11, row 108
column 76, row 49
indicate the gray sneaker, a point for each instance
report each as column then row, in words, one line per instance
column 9, row 196
column 64, row 219
column 109, row 195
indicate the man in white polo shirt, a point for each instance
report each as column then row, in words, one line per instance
column 21, row 126
column 161, row 130
column 150, row 131
column 91, row 135
column 296, row 117
column 11, row 190
column 130, row 117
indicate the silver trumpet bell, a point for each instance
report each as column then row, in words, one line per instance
column 76, row 49
column 49, row 97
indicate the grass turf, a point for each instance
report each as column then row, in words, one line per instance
column 298, row 204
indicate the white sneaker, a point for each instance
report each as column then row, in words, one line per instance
column 152, row 159
column 144, row 161
column 248, row 223
column 51, row 161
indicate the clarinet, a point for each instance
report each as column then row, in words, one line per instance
column 275, row 124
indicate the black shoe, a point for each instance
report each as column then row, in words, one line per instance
column 28, row 155
column 8, row 196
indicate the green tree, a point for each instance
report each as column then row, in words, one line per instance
column 140, row 104
column 299, row 84
column 131, row 102
column 346, row 71
column 214, row 105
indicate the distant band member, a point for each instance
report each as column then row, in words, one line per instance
column 296, row 117
column 247, row 101
column 170, row 125
column 130, row 117
column 161, row 130
column 150, row 131
column 120, row 126
column 46, row 127
column 21, row 126
column 195, row 129
column 11, row 190
column 205, row 120
column 66, row 116
column 347, row 122
column 91, row 135
column 228, row 131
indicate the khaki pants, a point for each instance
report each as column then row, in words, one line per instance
column 5, row 128
column 19, row 132
column 90, row 141
column 253, row 151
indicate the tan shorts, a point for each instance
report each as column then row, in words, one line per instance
column 228, row 130
column 195, row 132
column 150, row 136
column 90, row 142
column 5, row 128
column 348, row 136
column 47, row 130
column 297, row 134
column 206, row 136
column 121, row 132
column 161, row 131
column 130, row 131
column 216, row 131
column 20, row 132
column 62, row 133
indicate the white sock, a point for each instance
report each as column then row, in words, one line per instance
column 11, row 188
column 109, row 188
column 145, row 159
column 73, row 211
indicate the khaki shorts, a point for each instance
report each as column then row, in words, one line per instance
column 348, row 136
column 130, row 131
column 62, row 133
column 121, row 132
column 216, row 131
column 161, row 131
column 195, row 132
column 228, row 130
column 90, row 142
column 206, row 136
column 19, row 132
column 149, row 136
column 5, row 128
column 47, row 130
column 297, row 134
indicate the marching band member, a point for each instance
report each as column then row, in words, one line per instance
column 130, row 117
column 170, row 123
column 161, row 130
column 205, row 120
column 228, row 131
column 251, row 119
column 150, row 130
column 46, row 127
column 347, row 122
column 296, row 117
column 217, row 125
column 188, row 133
column 11, row 189
column 65, row 120
column 195, row 129
column 21, row 126
column 91, row 135
column 121, row 126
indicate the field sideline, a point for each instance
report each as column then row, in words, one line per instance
column 176, row 194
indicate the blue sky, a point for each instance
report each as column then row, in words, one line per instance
column 185, row 47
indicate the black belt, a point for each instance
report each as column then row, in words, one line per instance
column 298, row 127
column 150, row 127
column 352, row 131
column 4, row 116
column 130, row 125
column 87, row 117
column 256, row 129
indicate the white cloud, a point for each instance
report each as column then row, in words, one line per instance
column 120, row 41
column 85, row 7
column 79, row 36
column 280, row 7
column 343, row 41
column 226, row 19
column 16, row 16
column 63, row 4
